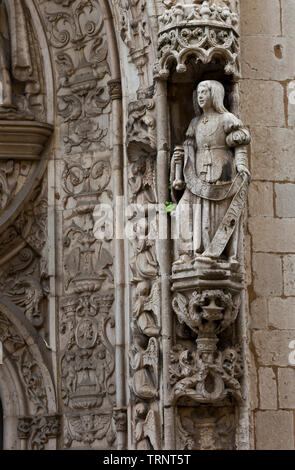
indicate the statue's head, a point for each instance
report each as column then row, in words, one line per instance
column 210, row 95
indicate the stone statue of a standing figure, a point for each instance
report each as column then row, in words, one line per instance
column 213, row 162
column 15, row 57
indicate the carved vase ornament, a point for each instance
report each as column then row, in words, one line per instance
column 216, row 176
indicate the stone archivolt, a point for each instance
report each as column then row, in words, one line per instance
column 32, row 375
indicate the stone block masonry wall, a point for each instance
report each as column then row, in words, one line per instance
column 268, row 69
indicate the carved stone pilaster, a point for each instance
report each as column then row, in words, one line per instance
column 205, row 368
column 206, row 373
column 144, row 351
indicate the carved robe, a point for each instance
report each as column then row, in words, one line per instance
column 15, row 56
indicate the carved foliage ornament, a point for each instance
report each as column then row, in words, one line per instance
column 24, row 278
column 77, row 31
column 87, row 182
column 25, row 285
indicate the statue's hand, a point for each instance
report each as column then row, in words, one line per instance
column 179, row 185
column 177, row 161
column 243, row 169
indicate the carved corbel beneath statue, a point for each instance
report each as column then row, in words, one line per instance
column 206, row 374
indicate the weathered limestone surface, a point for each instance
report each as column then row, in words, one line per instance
column 272, row 346
column 268, row 70
column 281, row 422
column 267, row 389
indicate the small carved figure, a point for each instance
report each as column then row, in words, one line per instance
column 213, row 162
column 15, row 55
column 5, row 81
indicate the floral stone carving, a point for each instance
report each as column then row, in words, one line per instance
column 77, row 33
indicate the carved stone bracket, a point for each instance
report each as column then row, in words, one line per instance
column 205, row 428
column 205, row 373
column 38, row 430
column 203, row 30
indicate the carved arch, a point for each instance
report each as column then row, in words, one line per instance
column 26, row 381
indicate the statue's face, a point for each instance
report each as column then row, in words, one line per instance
column 204, row 97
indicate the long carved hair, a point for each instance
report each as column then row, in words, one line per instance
column 217, row 94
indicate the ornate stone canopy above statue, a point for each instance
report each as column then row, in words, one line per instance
column 205, row 30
